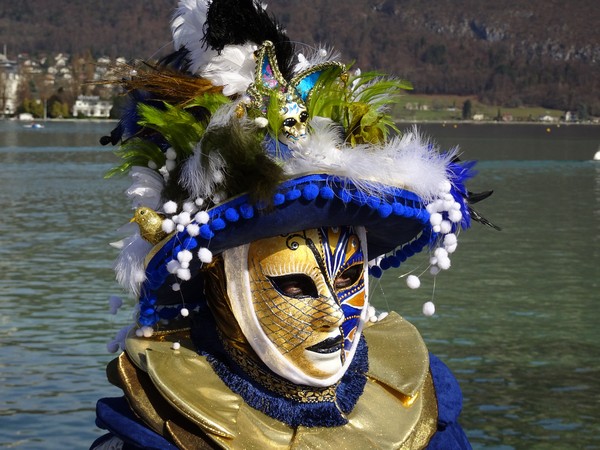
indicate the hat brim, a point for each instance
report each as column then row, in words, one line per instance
column 392, row 218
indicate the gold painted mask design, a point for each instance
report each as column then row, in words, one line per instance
column 308, row 296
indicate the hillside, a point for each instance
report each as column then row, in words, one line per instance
column 541, row 52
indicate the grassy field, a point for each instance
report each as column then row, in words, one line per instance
column 415, row 107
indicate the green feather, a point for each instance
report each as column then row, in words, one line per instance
column 137, row 152
column 249, row 168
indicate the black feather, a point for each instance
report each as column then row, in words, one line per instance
column 237, row 22
column 482, row 220
column 475, row 197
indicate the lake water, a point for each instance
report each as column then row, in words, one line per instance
column 517, row 316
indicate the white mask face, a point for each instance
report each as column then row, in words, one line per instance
column 304, row 303
column 294, row 117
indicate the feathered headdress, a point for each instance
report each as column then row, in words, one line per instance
column 238, row 136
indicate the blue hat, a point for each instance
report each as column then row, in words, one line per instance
column 231, row 141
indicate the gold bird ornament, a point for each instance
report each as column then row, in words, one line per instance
column 150, row 223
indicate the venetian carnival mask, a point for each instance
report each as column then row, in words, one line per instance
column 300, row 301
column 294, row 116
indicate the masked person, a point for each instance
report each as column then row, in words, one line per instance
column 268, row 186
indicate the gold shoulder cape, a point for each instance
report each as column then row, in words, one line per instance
column 178, row 395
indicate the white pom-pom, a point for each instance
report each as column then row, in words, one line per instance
column 171, row 154
column 450, row 239
column 199, row 201
column 454, row 215
column 202, row 217
column 451, row 248
column 184, row 218
column 176, row 287
column 413, row 282
column 444, row 263
column 322, row 52
column 205, row 255
column 440, row 253
column 170, row 165
column 445, row 186
column 436, row 228
column 184, row 274
column 147, row 332
column 190, row 207
column 139, row 332
column 173, row 266
column 180, row 227
column 185, row 312
column 435, row 219
column 176, row 346
column 170, row 207
column 112, row 347
column 261, row 122
column 373, row 319
column 193, row 229
column 434, row 270
column 168, row 226
column 114, row 303
column 428, row 309
column 445, row 227
column 185, row 256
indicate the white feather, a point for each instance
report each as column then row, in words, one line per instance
column 146, row 189
column 187, row 28
column 129, row 266
column 409, row 162
column 233, row 68
column 315, row 56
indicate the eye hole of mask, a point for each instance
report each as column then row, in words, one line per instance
column 348, row 277
column 295, row 285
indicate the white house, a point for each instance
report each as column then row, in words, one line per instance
column 91, row 106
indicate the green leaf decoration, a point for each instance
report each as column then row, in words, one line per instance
column 137, row 152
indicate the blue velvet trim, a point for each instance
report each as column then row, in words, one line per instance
column 114, row 415
column 291, row 412
column 450, row 435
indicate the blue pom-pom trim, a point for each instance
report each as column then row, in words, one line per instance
column 232, row 215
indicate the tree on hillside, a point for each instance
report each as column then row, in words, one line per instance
column 466, row 110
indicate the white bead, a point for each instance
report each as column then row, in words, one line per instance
column 199, row 201
column 180, row 228
column 176, row 346
column 428, row 309
column 185, row 312
column 176, row 287
column 434, row 270
column 413, row 282
column 139, row 332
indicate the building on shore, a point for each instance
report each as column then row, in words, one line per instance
column 9, row 85
column 91, row 106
